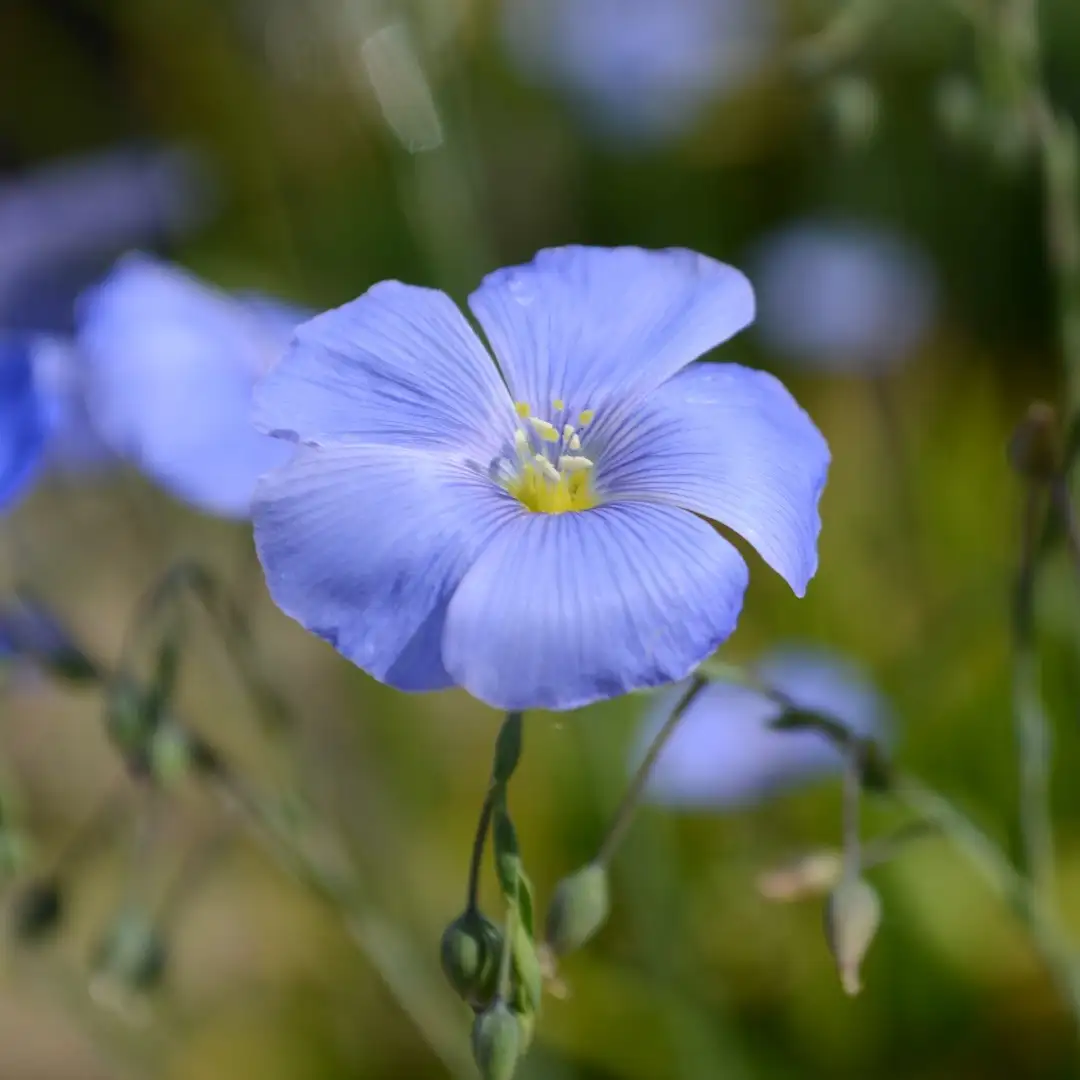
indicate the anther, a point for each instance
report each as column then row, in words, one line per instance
column 522, row 409
column 559, row 404
column 586, row 417
column 546, row 431
column 549, row 470
column 575, row 443
column 571, row 464
column 521, row 444
column 567, row 432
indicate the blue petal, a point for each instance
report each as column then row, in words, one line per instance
column 364, row 545
column 171, row 368
column 400, row 366
column 598, row 325
column 724, row 753
column 732, row 444
column 23, row 424
column 562, row 610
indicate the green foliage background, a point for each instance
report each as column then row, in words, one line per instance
column 696, row 976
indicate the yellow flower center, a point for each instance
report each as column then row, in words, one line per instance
column 549, row 472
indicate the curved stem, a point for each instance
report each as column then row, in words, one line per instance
column 482, row 828
column 625, row 813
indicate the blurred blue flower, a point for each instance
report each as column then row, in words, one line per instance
column 723, row 753
column 63, row 223
column 542, row 541
column 170, row 367
column 641, row 70
column 843, row 297
column 24, row 423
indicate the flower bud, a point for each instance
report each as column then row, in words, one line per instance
column 38, row 909
column 469, row 952
column 496, row 1042
column 812, row 874
column 132, row 952
column 578, row 909
column 852, row 916
column 1035, row 448
column 853, row 109
column 959, row 111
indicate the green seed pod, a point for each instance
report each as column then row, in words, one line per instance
column 469, row 952
column 38, row 909
column 578, row 909
column 852, row 917
column 496, row 1042
column 132, row 952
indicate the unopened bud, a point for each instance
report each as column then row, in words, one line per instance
column 813, row 874
column 38, row 909
column 853, row 108
column 496, row 1042
column 959, row 111
column 1035, row 448
column 31, row 631
column 578, row 909
column 852, row 917
column 469, row 952
column 132, row 952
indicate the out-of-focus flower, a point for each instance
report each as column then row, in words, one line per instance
column 24, row 423
column 540, row 541
column 642, row 70
column 170, row 367
column 62, row 224
column 724, row 753
column 843, row 297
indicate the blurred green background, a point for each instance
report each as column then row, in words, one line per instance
column 328, row 175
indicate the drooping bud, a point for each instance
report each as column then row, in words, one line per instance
column 38, row 909
column 31, row 631
column 853, row 109
column 496, row 1042
column 1035, row 448
column 959, row 111
column 469, row 953
column 578, row 909
column 812, row 874
column 852, row 917
column 132, row 952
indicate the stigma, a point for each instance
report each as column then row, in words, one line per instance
column 548, row 471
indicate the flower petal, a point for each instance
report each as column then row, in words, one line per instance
column 594, row 325
column 562, row 610
column 23, row 427
column 363, row 545
column 170, row 368
column 400, row 366
column 732, row 444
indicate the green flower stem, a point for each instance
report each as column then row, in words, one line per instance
column 1032, row 725
column 987, row 858
column 625, row 813
column 483, row 826
column 853, row 856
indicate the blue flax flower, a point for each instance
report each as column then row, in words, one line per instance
column 642, row 71
column 843, row 297
column 725, row 754
column 24, row 420
column 540, row 532
column 171, row 364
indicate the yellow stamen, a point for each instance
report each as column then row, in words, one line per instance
column 559, row 404
column 522, row 409
column 546, row 431
column 575, row 443
column 586, row 417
